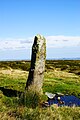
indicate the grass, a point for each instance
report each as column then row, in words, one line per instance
column 56, row 80
column 61, row 81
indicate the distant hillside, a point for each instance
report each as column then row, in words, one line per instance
column 77, row 58
column 72, row 66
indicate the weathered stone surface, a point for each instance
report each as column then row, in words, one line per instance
column 36, row 73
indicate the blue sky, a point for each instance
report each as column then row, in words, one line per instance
column 57, row 20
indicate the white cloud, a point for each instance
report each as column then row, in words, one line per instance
column 52, row 41
column 15, row 44
column 62, row 41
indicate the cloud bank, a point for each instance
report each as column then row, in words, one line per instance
column 52, row 42
column 15, row 44
column 62, row 41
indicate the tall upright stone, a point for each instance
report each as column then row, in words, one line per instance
column 36, row 73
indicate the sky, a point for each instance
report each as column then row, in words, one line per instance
column 57, row 20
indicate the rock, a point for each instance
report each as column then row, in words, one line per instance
column 50, row 95
column 58, row 98
column 37, row 69
column 45, row 104
column 59, row 94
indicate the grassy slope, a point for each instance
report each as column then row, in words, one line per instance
column 56, row 79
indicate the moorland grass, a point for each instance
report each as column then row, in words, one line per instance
column 55, row 80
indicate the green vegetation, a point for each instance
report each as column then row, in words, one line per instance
column 23, row 65
column 60, row 76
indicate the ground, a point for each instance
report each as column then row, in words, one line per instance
column 60, row 76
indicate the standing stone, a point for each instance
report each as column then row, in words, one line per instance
column 37, row 69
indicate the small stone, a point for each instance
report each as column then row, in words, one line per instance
column 50, row 95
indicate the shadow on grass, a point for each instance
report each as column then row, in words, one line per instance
column 10, row 93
